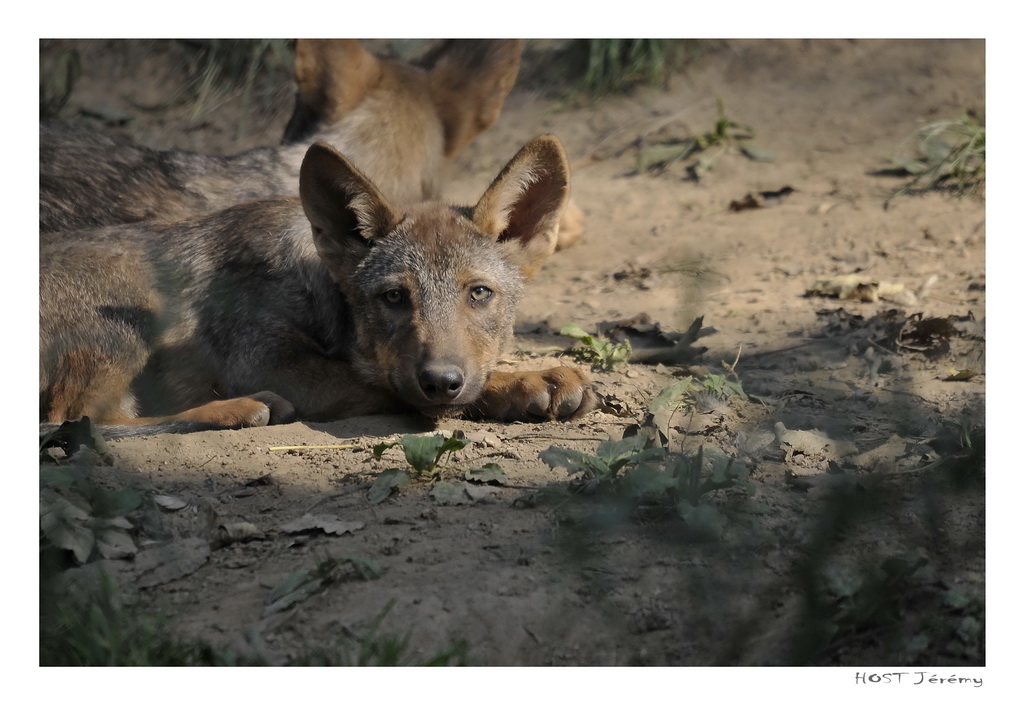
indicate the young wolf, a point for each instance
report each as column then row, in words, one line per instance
column 333, row 306
column 318, row 105
column 397, row 122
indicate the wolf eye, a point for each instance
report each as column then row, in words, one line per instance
column 394, row 297
column 480, row 294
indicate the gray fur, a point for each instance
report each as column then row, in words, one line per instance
column 146, row 320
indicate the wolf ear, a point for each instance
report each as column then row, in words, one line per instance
column 333, row 76
column 522, row 206
column 344, row 207
column 470, row 79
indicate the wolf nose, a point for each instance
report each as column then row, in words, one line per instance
column 441, row 382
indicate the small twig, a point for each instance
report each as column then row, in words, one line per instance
column 946, row 298
column 643, row 133
column 926, row 251
column 882, row 348
column 321, row 446
column 530, row 633
column 559, row 438
column 732, row 368
column 353, row 488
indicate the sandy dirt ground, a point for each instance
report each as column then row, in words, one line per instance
column 856, row 535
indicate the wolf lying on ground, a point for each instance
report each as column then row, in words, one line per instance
column 397, row 122
column 333, row 306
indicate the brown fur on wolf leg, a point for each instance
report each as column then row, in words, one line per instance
column 257, row 410
column 557, row 393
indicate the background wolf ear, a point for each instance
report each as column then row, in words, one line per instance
column 470, row 79
column 332, row 77
column 522, row 206
column 344, row 208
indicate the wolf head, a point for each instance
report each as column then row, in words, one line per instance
column 434, row 288
column 401, row 122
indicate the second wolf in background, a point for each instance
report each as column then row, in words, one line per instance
column 399, row 123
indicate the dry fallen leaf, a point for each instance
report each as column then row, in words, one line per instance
column 894, row 455
column 478, row 492
column 328, row 525
column 170, row 502
column 446, row 493
column 861, row 289
column 652, row 345
column 848, row 287
column 930, row 336
column 232, row 532
column 761, row 199
column 814, row 449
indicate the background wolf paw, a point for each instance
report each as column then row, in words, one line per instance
column 557, row 393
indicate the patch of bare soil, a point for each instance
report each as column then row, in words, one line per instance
column 851, row 529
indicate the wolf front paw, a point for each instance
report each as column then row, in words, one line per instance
column 557, row 393
column 257, row 410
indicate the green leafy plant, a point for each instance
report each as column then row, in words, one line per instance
column 99, row 629
column 603, row 469
column 423, row 453
column 77, row 516
column 253, row 69
column 721, row 386
column 686, row 393
column 640, row 469
column 80, row 522
column 896, row 602
column 630, row 469
column 376, row 649
column 952, row 155
column 596, row 350
column 961, row 624
column 304, row 583
column 864, row 600
column 693, row 482
column 221, row 66
column 68, row 439
column 617, row 64
column 725, row 135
